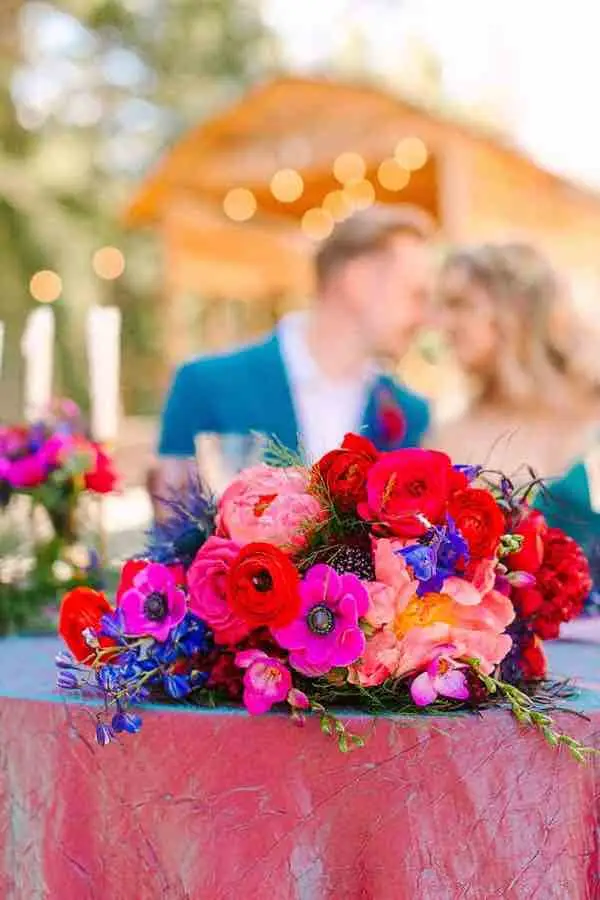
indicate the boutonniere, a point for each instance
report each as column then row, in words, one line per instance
column 390, row 418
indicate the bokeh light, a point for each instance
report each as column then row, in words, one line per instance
column 360, row 193
column 239, row 204
column 108, row 263
column 287, row 185
column 45, row 286
column 317, row 224
column 411, row 153
column 349, row 167
column 338, row 205
column 392, row 176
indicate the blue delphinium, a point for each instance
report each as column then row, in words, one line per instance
column 436, row 557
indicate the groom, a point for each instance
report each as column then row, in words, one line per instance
column 319, row 375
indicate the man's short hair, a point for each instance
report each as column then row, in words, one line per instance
column 369, row 232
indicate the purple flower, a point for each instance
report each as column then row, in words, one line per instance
column 444, row 677
column 28, row 471
column 154, row 605
column 104, row 734
column 126, row 721
column 326, row 633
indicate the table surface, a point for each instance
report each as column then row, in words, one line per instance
column 28, row 671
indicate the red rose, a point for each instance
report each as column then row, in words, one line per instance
column 102, row 479
column 479, row 519
column 82, row 608
column 134, row 566
column 343, row 472
column 534, row 664
column 407, row 490
column 563, row 580
column 529, row 558
column 262, row 586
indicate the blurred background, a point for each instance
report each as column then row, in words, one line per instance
column 179, row 160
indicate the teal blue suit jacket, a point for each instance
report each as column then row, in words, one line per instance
column 565, row 502
column 248, row 390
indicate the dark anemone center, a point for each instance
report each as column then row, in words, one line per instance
column 262, row 581
column 321, row 620
column 156, row 606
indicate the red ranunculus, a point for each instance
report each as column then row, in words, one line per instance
column 102, row 478
column 407, row 490
column 534, row 664
column 134, row 566
column 528, row 601
column 479, row 519
column 262, row 586
column 532, row 529
column 343, row 472
column 82, row 608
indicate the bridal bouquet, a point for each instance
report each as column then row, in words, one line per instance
column 376, row 581
column 45, row 470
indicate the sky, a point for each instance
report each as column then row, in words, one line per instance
column 538, row 58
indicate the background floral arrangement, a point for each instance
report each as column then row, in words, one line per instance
column 380, row 581
column 45, row 469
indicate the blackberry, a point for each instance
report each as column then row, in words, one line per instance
column 353, row 560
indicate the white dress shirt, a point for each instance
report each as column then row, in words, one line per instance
column 326, row 408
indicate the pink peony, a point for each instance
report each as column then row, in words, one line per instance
column 207, row 578
column 270, row 505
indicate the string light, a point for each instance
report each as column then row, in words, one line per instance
column 411, row 153
column 287, row 185
column 239, row 204
column 317, row 224
column 360, row 193
column 108, row 263
column 338, row 205
column 392, row 176
column 349, row 167
column 45, row 286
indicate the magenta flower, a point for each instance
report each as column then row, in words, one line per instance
column 267, row 680
column 28, row 471
column 154, row 605
column 326, row 634
column 444, row 677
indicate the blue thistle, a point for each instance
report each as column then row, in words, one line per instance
column 190, row 522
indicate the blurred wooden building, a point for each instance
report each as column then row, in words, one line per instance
column 239, row 201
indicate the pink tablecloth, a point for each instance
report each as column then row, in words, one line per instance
column 217, row 806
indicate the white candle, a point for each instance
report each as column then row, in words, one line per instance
column 37, row 349
column 104, row 361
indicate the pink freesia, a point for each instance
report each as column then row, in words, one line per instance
column 444, row 677
column 154, row 605
column 207, row 577
column 267, row 681
column 269, row 504
column 326, row 633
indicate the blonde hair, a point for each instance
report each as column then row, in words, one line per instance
column 368, row 232
column 528, row 368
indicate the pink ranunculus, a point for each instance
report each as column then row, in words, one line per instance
column 267, row 681
column 268, row 504
column 207, row 577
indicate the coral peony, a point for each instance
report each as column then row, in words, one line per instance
column 269, row 504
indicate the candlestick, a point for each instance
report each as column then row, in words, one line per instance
column 37, row 348
column 1, row 345
column 104, row 360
